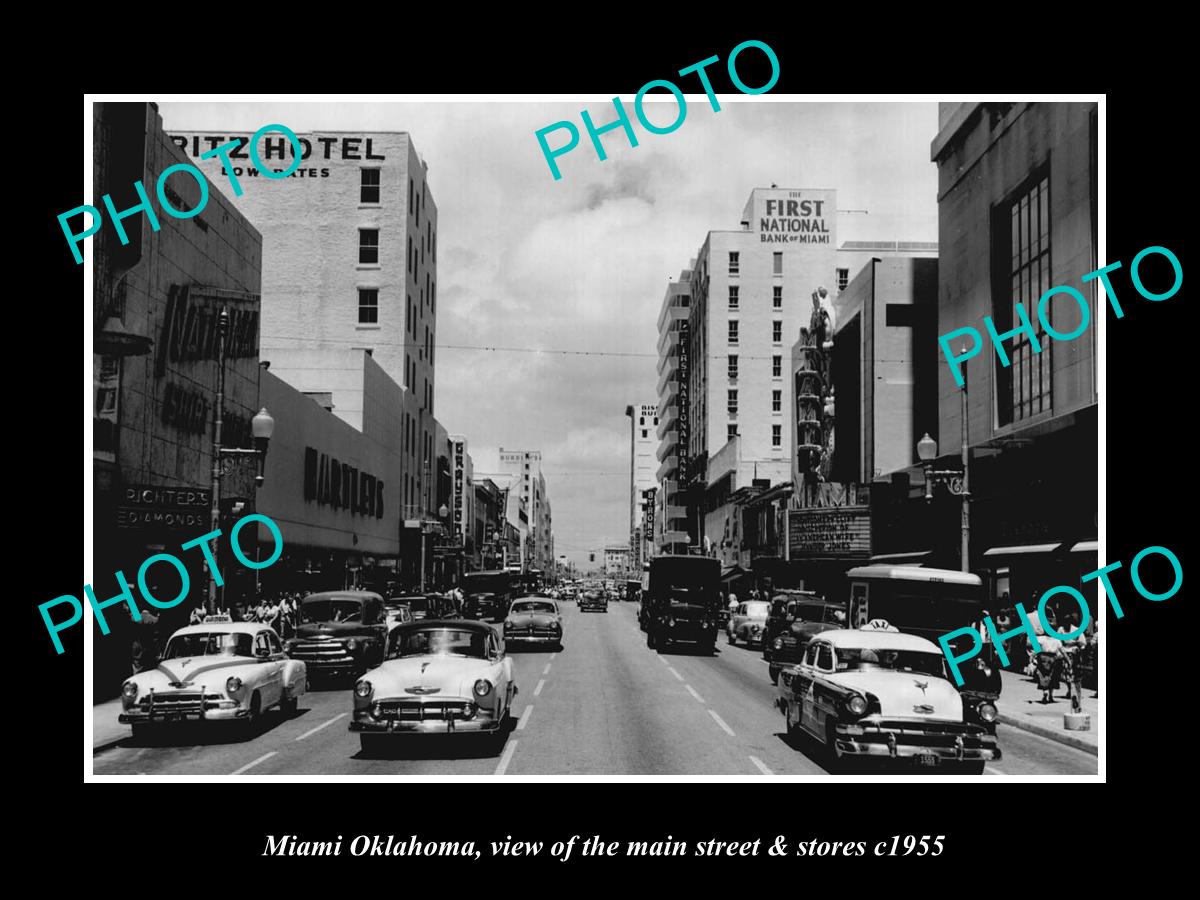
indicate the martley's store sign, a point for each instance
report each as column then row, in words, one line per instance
column 341, row 485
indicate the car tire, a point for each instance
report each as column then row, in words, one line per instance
column 833, row 762
column 250, row 723
column 650, row 638
column 774, row 673
column 288, row 705
column 793, row 728
column 732, row 639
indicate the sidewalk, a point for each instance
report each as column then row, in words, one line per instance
column 106, row 730
column 1020, row 706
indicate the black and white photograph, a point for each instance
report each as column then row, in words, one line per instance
column 687, row 435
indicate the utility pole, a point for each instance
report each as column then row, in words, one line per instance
column 966, row 485
column 218, row 414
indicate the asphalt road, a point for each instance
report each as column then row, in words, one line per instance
column 605, row 704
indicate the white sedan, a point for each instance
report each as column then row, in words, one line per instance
column 216, row 671
column 437, row 678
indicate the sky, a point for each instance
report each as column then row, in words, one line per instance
column 582, row 263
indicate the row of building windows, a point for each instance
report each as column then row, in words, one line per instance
column 735, row 296
column 735, row 263
column 776, row 331
column 731, row 431
column 732, row 401
column 776, row 366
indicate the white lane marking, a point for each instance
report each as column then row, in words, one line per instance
column 663, row 660
column 671, row 669
column 524, row 718
column 552, row 655
column 262, row 758
column 506, row 757
column 691, row 690
column 761, row 766
column 721, row 722
column 992, row 770
column 537, row 690
column 313, row 731
column 546, row 671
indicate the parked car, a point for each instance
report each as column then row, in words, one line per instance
column 534, row 620
column 875, row 692
column 439, row 677
column 340, row 633
column 747, row 621
column 796, row 617
column 590, row 600
column 217, row 671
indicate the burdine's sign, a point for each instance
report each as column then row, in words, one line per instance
column 795, row 217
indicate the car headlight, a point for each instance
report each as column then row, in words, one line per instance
column 987, row 712
column 352, row 645
column 756, row 628
column 704, row 624
column 509, row 623
column 857, row 704
column 377, row 711
column 777, row 643
column 483, row 687
column 362, row 688
column 670, row 621
column 233, row 684
column 129, row 690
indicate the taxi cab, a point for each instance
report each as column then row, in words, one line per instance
column 875, row 692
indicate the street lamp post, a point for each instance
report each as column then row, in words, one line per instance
column 262, row 427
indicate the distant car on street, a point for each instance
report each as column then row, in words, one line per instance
column 875, row 692
column 439, row 677
column 593, row 600
column 747, row 621
column 534, row 620
column 681, row 602
column 795, row 618
column 216, row 671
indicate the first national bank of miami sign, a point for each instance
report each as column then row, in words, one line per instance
column 796, row 217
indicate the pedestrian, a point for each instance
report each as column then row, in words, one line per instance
column 199, row 613
column 143, row 648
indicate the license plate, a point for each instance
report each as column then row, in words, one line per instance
column 927, row 759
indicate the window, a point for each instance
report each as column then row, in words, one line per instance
column 733, row 331
column 433, row 296
column 1021, row 234
column 776, row 401
column 410, row 197
column 641, row 421
column 408, row 314
column 645, row 432
column 777, row 331
column 733, row 296
column 733, row 367
column 735, row 264
column 778, row 270
column 409, row 260
column 368, row 306
column 843, row 279
column 730, row 431
column 732, row 402
column 369, row 189
column 407, row 369
column 368, row 246
column 776, row 435
column 825, row 658
column 776, row 366
column 777, row 299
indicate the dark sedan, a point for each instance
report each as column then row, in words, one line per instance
column 594, row 600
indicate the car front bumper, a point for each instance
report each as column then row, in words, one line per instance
column 909, row 740
column 533, row 638
column 172, row 716
column 481, row 722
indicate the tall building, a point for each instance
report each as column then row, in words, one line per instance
column 616, row 561
column 349, row 267
column 643, row 441
column 671, row 530
column 1017, row 214
column 524, row 468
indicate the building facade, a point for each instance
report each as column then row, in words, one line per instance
column 643, row 442
column 524, row 469
column 156, row 304
column 673, row 528
column 616, row 561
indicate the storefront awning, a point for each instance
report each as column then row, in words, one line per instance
column 902, row 559
column 1023, row 549
column 1086, row 547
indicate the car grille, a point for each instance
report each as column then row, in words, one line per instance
column 422, row 711
column 320, row 651
column 926, row 733
column 179, row 702
column 539, row 631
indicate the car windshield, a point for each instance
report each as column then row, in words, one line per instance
column 757, row 608
column 471, row 643
column 210, row 643
column 850, row 659
column 335, row 610
column 418, row 604
column 533, row 606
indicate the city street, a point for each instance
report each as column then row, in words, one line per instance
column 604, row 705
